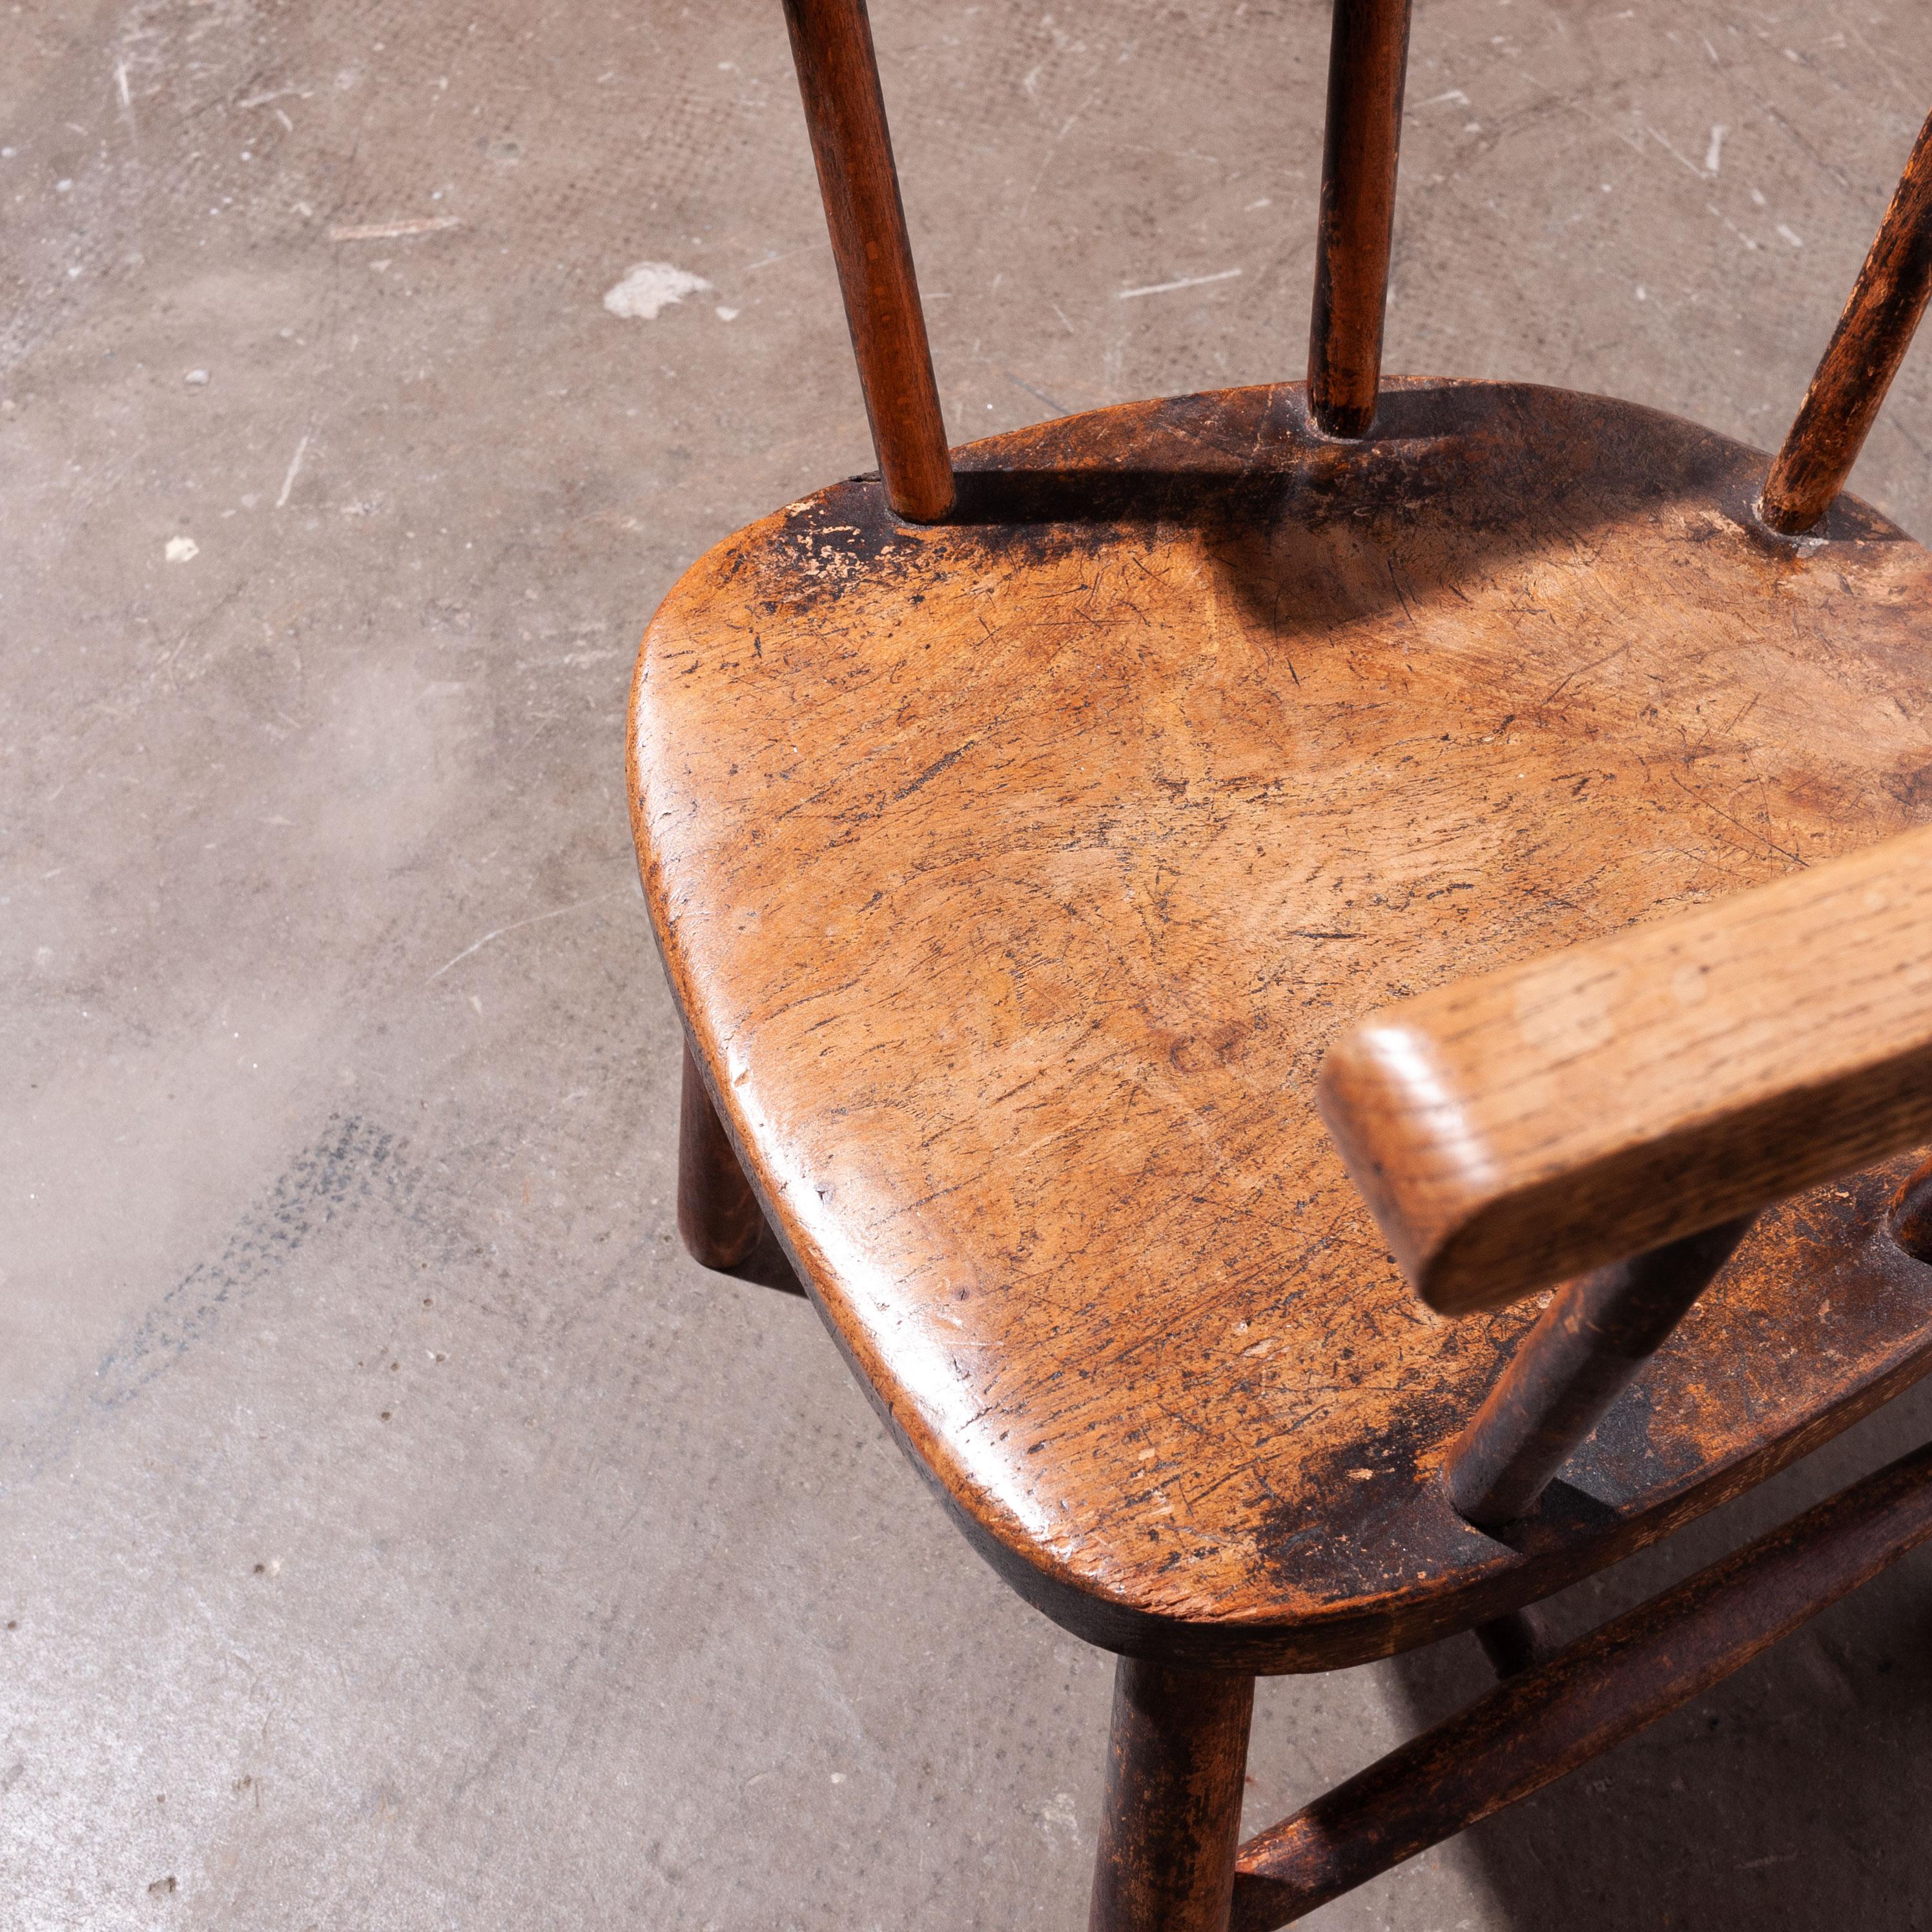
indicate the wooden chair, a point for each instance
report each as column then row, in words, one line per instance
column 1023, row 828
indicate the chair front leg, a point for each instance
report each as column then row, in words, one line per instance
column 1177, row 1757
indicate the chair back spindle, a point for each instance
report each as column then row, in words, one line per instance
column 1368, row 55
column 1863, row 355
column 839, row 77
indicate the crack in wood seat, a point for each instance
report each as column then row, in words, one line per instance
column 1013, row 873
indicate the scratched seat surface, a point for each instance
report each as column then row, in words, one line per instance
column 1014, row 873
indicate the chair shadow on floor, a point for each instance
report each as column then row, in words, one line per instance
column 1792, row 1795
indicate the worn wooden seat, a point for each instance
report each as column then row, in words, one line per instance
column 1026, row 827
column 1014, row 876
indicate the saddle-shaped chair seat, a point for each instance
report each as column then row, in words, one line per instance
column 1014, row 873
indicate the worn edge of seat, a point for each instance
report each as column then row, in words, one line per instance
column 1322, row 1642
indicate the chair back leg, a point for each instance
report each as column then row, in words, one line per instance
column 717, row 1215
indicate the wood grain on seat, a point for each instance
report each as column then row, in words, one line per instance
column 1014, row 873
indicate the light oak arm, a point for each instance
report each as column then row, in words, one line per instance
column 1512, row 1131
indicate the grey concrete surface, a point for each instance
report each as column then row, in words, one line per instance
column 397, row 1531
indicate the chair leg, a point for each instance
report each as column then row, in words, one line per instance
column 1515, row 1641
column 1176, row 1759
column 717, row 1214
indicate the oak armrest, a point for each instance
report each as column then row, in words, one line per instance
column 1511, row 1131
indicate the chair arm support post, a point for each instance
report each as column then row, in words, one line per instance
column 1538, row 1726
column 1596, row 1334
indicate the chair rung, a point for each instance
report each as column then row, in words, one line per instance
column 1535, row 1728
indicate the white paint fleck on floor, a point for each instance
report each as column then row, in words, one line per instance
column 649, row 288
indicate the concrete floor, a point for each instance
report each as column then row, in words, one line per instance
column 398, row 1532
